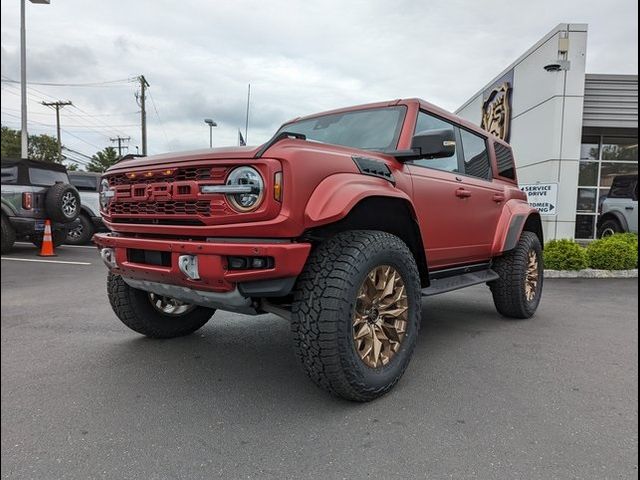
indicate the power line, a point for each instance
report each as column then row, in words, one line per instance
column 155, row 108
column 105, row 83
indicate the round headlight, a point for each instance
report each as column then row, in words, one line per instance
column 105, row 194
column 249, row 197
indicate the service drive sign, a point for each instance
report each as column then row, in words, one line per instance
column 543, row 196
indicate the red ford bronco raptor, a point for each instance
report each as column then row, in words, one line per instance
column 340, row 223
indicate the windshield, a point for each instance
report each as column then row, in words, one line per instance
column 375, row 129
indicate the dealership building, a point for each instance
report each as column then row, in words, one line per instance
column 572, row 132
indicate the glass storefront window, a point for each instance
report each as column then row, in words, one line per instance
column 602, row 159
column 610, row 170
column 587, row 199
column 585, row 226
column 589, row 150
column 620, row 148
column 588, row 176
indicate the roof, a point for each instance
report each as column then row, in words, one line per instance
column 12, row 162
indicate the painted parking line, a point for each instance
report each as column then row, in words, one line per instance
column 91, row 247
column 43, row 261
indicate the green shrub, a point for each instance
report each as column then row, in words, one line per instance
column 630, row 238
column 564, row 255
column 613, row 253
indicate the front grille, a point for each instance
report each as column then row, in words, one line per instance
column 200, row 207
column 179, row 174
column 166, row 196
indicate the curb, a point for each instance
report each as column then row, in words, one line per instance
column 591, row 273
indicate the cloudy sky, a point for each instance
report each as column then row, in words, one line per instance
column 299, row 56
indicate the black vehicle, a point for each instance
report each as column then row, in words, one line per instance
column 87, row 184
column 32, row 192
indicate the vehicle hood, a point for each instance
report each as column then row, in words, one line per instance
column 224, row 153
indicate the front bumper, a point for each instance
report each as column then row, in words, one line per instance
column 215, row 276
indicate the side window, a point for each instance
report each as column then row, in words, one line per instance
column 476, row 158
column 504, row 159
column 9, row 175
column 426, row 123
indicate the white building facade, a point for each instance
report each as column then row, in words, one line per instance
column 571, row 132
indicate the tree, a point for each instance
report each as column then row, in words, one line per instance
column 44, row 148
column 103, row 160
column 10, row 143
column 41, row 147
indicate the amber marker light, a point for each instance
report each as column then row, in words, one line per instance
column 131, row 175
column 277, row 186
column 168, row 172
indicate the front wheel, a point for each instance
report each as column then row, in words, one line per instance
column 517, row 293
column 152, row 315
column 356, row 314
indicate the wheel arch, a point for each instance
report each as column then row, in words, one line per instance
column 391, row 214
column 613, row 215
column 516, row 218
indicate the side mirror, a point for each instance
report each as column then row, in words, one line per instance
column 434, row 143
column 429, row 144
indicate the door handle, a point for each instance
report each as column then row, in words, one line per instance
column 463, row 193
column 498, row 198
column 629, row 208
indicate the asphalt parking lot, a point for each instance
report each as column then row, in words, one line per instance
column 484, row 397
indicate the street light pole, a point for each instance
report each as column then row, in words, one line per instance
column 23, row 83
column 24, row 139
column 211, row 124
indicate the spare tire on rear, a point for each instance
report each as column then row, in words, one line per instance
column 62, row 203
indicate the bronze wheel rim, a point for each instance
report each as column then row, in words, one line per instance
column 380, row 316
column 531, row 280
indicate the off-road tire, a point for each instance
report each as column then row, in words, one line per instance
column 610, row 225
column 56, row 200
column 508, row 291
column 85, row 232
column 58, row 238
column 8, row 235
column 134, row 309
column 324, row 300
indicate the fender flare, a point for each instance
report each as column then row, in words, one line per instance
column 515, row 215
column 617, row 216
column 337, row 194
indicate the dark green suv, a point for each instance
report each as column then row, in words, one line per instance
column 32, row 192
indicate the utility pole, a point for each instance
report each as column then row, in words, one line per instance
column 58, row 105
column 120, row 139
column 143, row 111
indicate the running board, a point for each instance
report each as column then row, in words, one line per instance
column 455, row 282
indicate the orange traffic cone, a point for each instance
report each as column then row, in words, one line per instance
column 46, row 250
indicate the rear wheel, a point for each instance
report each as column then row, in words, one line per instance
column 609, row 227
column 517, row 292
column 8, row 235
column 155, row 316
column 356, row 314
column 82, row 233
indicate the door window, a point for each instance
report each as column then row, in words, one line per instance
column 476, row 158
column 427, row 123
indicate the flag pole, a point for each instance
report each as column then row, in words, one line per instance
column 246, row 125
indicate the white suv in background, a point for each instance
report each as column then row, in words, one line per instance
column 90, row 220
column 620, row 208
